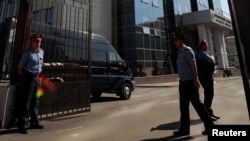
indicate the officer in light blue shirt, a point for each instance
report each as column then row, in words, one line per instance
column 32, row 61
column 29, row 67
column 185, row 56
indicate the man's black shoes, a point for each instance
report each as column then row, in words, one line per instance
column 36, row 126
column 181, row 132
column 22, row 130
column 214, row 118
column 205, row 132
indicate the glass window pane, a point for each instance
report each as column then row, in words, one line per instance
column 112, row 57
column 146, row 30
column 145, row 1
column 50, row 15
column 99, row 58
column 155, row 3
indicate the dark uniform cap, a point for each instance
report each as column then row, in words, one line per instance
column 179, row 36
column 36, row 36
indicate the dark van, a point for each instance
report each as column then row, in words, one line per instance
column 110, row 74
column 67, row 49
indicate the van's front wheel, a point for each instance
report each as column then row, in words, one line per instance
column 96, row 94
column 125, row 91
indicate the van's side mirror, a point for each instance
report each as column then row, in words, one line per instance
column 122, row 65
column 116, row 64
column 125, row 65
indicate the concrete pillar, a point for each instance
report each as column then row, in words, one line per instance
column 220, row 49
column 202, row 31
column 225, row 56
column 210, row 41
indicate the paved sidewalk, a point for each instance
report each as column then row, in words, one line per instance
column 175, row 84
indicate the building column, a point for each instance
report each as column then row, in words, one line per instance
column 202, row 31
column 225, row 50
column 210, row 41
column 221, row 49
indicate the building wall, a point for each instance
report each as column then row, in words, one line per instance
column 102, row 18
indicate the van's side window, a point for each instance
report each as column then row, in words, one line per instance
column 112, row 57
column 99, row 58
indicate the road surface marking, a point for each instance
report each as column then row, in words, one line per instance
column 68, row 130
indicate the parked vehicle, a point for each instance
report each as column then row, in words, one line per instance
column 67, row 49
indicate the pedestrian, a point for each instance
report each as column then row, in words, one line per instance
column 206, row 68
column 29, row 67
column 189, row 88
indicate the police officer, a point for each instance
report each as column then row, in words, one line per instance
column 189, row 88
column 29, row 67
column 206, row 68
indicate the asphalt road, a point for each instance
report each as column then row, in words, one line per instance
column 152, row 114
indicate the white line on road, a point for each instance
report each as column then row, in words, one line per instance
column 68, row 130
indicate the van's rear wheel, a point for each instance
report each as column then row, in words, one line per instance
column 125, row 91
column 96, row 94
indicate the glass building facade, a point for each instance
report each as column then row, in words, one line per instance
column 181, row 7
column 139, row 28
column 199, row 5
column 173, row 10
column 143, row 30
column 215, row 5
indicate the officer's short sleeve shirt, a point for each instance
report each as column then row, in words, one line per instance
column 33, row 60
column 185, row 56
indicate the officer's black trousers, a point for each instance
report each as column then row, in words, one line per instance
column 207, row 82
column 188, row 93
column 28, row 104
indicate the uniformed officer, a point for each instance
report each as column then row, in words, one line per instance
column 189, row 88
column 206, row 67
column 29, row 67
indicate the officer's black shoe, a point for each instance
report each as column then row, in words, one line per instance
column 205, row 132
column 22, row 130
column 36, row 126
column 181, row 132
column 215, row 117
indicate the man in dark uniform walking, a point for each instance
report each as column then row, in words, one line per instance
column 189, row 88
column 29, row 67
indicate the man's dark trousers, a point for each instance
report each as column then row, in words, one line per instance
column 28, row 104
column 188, row 93
column 207, row 81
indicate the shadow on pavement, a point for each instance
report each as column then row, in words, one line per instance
column 104, row 99
column 8, row 131
column 174, row 125
column 175, row 138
